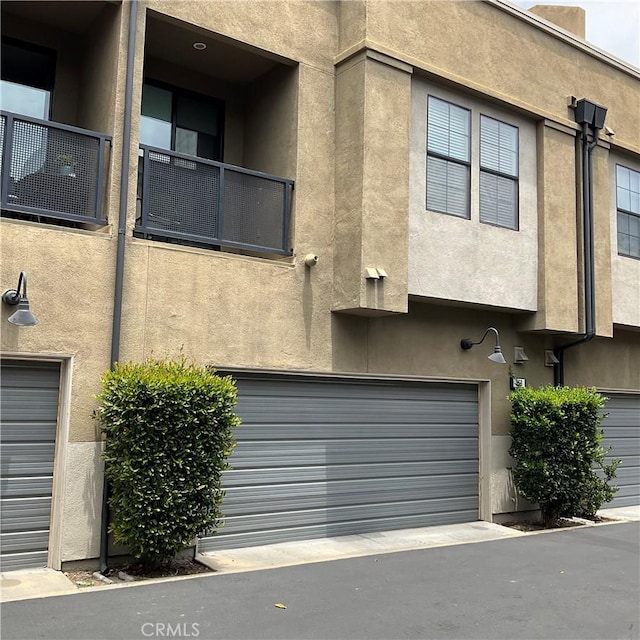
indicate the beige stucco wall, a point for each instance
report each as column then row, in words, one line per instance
column 558, row 296
column 606, row 363
column 100, row 55
column 271, row 123
column 372, row 184
column 348, row 147
column 426, row 342
column 458, row 259
column 571, row 19
column 301, row 30
column 537, row 77
column 82, row 515
column 70, row 277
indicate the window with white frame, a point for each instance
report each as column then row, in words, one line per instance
column 454, row 164
column 498, row 173
column 448, row 158
column 628, row 205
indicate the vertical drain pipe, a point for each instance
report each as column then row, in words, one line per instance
column 590, row 116
column 122, row 227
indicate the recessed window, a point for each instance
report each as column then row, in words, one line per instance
column 628, row 205
column 182, row 121
column 28, row 73
column 448, row 158
column 498, row 173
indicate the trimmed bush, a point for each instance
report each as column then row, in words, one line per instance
column 168, row 429
column 557, row 445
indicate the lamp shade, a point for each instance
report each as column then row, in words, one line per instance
column 23, row 316
column 497, row 356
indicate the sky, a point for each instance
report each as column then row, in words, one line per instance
column 612, row 25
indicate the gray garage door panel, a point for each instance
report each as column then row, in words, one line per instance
column 321, row 457
column 29, row 395
column 26, row 487
column 288, row 497
column 24, row 541
column 230, row 540
column 622, row 433
column 256, row 476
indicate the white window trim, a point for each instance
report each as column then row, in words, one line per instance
column 619, row 209
column 476, row 113
column 515, row 178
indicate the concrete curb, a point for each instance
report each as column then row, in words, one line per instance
column 41, row 583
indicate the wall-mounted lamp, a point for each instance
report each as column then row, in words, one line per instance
column 23, row 316
column 519, row 356
column 496, row 356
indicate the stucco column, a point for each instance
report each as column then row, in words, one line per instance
column 559, row 299
column 373, row 100
column 602, row 233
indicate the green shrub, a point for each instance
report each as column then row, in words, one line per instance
column 169, row 431
column 557, row 445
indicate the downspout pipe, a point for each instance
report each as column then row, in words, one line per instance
column 122, row 227
column 591, row 117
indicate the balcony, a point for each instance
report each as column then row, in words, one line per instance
column 52, row 170
column 195, row 201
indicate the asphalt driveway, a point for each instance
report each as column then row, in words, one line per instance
column 580, row 583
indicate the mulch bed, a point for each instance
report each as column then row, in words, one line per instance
column 563, row 523
column 136, row 573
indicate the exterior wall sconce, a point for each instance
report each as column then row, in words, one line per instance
column 496, row 356
column 519, row 356
column 23, row 316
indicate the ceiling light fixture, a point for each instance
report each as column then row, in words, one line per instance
column 199, row 46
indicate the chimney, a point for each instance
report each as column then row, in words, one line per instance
column 570, row 19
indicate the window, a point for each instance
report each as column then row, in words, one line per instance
column 181, row 121
column 27, row 79
column 448, row 158
column 28, row 74
column 498, row 173
column 628, row 205
column 454, row 165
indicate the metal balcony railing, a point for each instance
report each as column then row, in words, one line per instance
column 52, row 170
column 209, row 203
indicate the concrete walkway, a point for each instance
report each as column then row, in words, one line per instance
column 24, row 584
column 40, row 583
column 288, row 554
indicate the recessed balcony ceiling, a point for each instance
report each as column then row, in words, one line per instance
column 70, row 16
column 222, row 58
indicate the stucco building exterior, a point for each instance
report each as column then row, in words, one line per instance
column 169, row 171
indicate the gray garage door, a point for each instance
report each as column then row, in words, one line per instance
column 622, row 434
column 328, row 457
column 28, row 416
